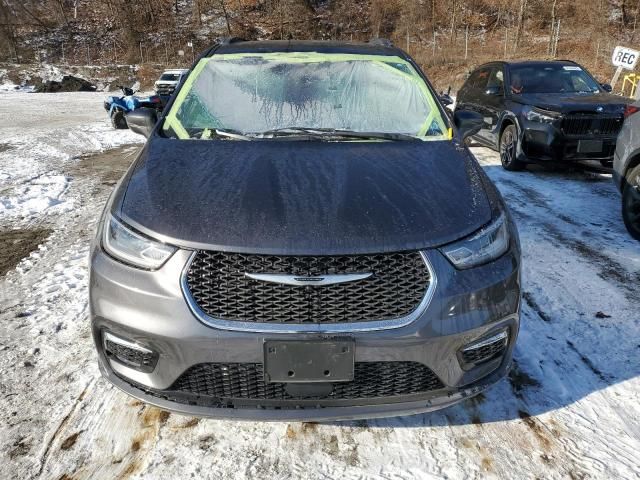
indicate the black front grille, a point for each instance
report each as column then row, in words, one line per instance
column 218, row 285
column 165, row 89
column 592, row 124
column 224, row 381
column 484, row 353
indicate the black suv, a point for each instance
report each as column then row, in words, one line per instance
column 543, row 111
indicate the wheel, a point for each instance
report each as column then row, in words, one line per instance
column 509, row 149
column 118, row 121
column 631, row 202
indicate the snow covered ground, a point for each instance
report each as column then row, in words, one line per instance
column 570, row 408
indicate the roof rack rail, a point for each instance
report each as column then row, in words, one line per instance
column 230, row 40
column 383, row 42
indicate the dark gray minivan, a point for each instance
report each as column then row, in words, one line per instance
column 305, row 236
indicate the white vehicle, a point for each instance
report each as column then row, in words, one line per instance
column 169, row 80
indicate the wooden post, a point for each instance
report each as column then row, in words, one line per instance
column 616, row 75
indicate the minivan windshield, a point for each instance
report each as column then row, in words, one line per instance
column 551, row 78
column 254, row 95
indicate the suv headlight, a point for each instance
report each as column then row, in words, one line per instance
column 542, row 116
column 132, row 248
column 489, row 243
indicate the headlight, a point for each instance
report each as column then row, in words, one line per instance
column 132, row 248
column 488, row 244
column 542, row 116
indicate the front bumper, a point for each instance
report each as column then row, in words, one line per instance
column 149, row 308
column 547, row 142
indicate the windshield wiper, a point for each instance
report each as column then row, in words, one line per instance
column 332, row 132
column 209, row 133
column 230, row 133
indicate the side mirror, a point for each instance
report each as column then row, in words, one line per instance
column 493, row 91
column 606, row 87
column 467, row 123
column 142, row 120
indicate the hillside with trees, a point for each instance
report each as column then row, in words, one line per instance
column 446, row 38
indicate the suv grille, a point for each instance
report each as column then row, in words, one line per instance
column 246, row 381
column 592, row 124
column 218, row 284
column 165, row 89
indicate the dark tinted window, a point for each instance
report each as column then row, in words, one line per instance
column 496, row 78
column 170, row 77
column 479, row 78
column 551, row 78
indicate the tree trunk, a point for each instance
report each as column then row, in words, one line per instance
column 635, row 22
column 226, row 16
column 150, row 10
column 62, row 14
column 516, row 43
column 553, row 26
column 8, row 28
column 197, row 12
column 453, row 20
column 433, row 16
column 32, row 15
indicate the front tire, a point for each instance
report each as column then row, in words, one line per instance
column 509, row 149
column 118, row 121
column 631, row 202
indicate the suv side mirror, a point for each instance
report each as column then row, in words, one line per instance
column 493, row 91
column 606, row 87
column 467, row 123
column 142, row 121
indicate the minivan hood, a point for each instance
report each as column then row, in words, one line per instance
column 302, row 197
column 574, row 102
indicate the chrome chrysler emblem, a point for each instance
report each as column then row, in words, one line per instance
column 300, row 280
column 599, row 109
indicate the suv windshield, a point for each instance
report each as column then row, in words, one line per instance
column 170, row 77
column 294, row 93
column 556, row 78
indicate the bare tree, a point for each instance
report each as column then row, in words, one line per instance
column 226, row 16
column 520, row 26
column 553, row 26
column 8, row 28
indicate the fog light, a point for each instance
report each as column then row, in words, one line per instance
column 128, row 353
column 486, row 349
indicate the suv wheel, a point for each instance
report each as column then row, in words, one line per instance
column 509, row 149
column 631, row 202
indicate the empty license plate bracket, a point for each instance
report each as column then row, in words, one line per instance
column 309, row 361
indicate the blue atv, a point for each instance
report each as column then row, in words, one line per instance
column 118, row 107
